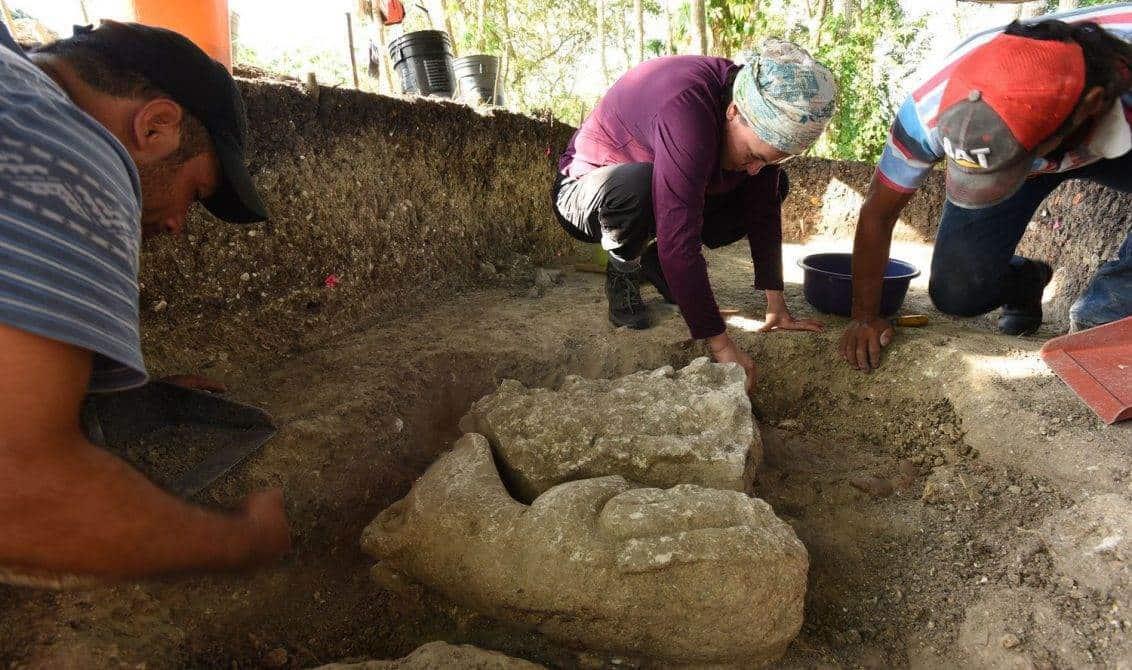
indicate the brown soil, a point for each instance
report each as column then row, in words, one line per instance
column 979, row 443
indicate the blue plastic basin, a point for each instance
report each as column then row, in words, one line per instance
column 828, row 283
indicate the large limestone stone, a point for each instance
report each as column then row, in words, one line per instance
column 442, row 656
column 684, row 575
column 659, row 428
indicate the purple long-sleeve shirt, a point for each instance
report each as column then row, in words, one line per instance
column 669, row 112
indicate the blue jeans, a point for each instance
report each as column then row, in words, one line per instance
column 975, row 269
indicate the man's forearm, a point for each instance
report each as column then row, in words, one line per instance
column 80, row 510
column 871, row 245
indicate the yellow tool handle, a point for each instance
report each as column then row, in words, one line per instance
column 914, row 320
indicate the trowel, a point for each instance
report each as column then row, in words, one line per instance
column 182, row 439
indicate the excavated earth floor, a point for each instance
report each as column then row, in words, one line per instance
column 987, row 450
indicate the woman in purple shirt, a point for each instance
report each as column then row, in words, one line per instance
column 681, row 152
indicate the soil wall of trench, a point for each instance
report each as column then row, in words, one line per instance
column 382, row 204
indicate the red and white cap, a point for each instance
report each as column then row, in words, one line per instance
column 1003, row 100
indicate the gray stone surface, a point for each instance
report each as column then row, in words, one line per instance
column 687, row 575
column 442, row 656
column 660, row 428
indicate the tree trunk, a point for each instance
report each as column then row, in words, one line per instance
column 386, row 60
column 625, row 34
column 481, row 20
column 670, row 46
column 721, row 45
column 698, row 26
column 510, row 69
column 817, row 10
column 1029, row 10
column 846, row 9
column 1066, row 5
column 601, row 42
column 439, row 20
column 639, row 21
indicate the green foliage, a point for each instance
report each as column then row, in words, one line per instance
column 331, row 66
column 870, row 56
column 550, row 56
column 868, row 51
column 540, row 43
column 1051, row 5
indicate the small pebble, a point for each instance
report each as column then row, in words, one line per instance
column 874, row 486
column 160, row 305
column 276, row 658
column 1009, row 641
column 246, row 276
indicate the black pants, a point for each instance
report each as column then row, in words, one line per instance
column 974, row 268
column 613, row 205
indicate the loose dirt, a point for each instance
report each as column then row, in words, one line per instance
column 952, row 567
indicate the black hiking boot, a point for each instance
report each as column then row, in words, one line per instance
column 1025, row 317
column 651, row 270
column 625, row 305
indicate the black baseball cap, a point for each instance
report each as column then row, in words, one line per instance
column 171, row 62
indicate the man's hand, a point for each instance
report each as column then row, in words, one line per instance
column 862, row 341
column 196, row 382
column 867, row 333
column 269, row 535
column 724, row 350
column 69, row 507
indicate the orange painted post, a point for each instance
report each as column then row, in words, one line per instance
column 205, row 22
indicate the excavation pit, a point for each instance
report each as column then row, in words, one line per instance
column 894, row 579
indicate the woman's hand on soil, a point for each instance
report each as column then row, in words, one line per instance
column 785, row 321
column 862, row 341
column 724, row 350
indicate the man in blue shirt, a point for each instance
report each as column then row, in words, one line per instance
column 105, row 137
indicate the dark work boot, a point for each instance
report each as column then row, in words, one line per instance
column 651, row 270
column 1024, row 315
column 623, row 291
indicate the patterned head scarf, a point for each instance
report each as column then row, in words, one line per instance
column 785, row 96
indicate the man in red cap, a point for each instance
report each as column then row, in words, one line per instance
column 1013, row 113
column 105, row 137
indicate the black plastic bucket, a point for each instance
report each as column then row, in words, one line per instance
column 423, row 60
column 479, row 79
column 827, row 283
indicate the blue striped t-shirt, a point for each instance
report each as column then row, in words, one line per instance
column 70, row 208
